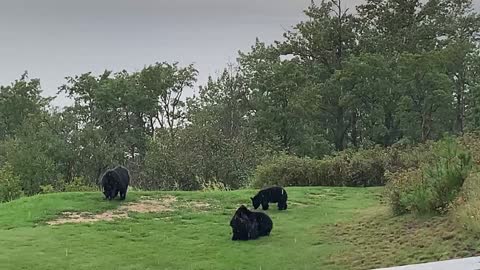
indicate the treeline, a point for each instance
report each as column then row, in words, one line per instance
column 393, row 72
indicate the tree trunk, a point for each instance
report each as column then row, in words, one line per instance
column 340, row 130
column 460, row 108
column 389, row 125
column 152, row 127
column 426, row 125
column 354, row 129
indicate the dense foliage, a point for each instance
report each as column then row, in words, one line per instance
column 435, row 184
column 10, row 184
column 363, row 168
column 395, row 72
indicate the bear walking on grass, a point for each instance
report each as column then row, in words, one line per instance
column 115, row 181
column 248, row 225
column 271, row 195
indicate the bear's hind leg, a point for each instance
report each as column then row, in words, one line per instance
column 123, row 194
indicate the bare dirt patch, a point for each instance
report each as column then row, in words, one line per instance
column 86, row 217
column 145, row 205
column 199, row 205
column 149, row 205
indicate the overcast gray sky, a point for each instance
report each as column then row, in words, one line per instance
column 53, row 39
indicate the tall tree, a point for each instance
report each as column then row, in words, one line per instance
column 322, row 44
column 276, row 85
column 370, row 97
column 163, row 85
column 18, row 102
column 427, row 96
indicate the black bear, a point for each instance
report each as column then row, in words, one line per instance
column 271, row 195
column 242, row 227
column 115, row 181
column 250, row 225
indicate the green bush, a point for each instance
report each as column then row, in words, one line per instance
column 471, row 141
column 467, row 207
column 363, row 168
column 10, row 185
column 398, row 184
column 213, row 186
column 45, row 189
column 400, row 158
column 433, row 186
column 33, row 162
column 286, row 170
column 79, row 185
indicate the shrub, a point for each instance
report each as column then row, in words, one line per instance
column 79, row 185
column 44, row 189
column 167, row 169
column 286, row 171
column 399, row 158
column 471, row 141
column 363, row 168
column 467, row 207
column 213, row 186
column 32, row 164
column 398, row 184
column 367, row 168
column 435, row 184
column 10, row 185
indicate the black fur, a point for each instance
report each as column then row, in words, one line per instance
column 248, row 225
column 265, row 223
column 270, row 195
column 115, row 181
column 242, row 227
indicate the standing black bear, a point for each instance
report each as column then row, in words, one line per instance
column 270, row 195
column 115, row 181
column 250, row 225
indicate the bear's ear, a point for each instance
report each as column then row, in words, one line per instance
column 251, row 198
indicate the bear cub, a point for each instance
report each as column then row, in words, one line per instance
column 271, row 195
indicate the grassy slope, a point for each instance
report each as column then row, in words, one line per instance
column 378, row 240
column 324, row 228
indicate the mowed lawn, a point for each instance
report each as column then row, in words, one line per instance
column 323, row 228
column 185, row 237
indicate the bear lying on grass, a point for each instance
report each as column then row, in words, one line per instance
column 248, row 225
column 270, row 195
column 115, row 181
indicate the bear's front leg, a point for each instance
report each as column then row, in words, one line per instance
column 265, row 206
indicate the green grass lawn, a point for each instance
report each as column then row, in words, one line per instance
column 323, row 228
